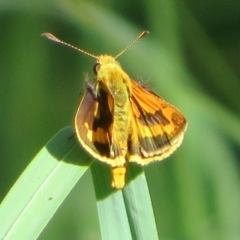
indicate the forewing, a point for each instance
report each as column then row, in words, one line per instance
column 93, row 123
column 158, row 127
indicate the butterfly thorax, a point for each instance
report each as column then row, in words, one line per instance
column 117, row 84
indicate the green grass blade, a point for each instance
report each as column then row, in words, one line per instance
column 138, row 205
column 110, row 204
column 41, row 188
column 125, row 214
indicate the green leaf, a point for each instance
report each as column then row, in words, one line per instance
column 42, row 187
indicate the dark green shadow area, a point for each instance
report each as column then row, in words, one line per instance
column 133, row 170
column 102, row 180
column 64, row 146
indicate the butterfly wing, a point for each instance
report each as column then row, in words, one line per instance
column 158, row 127
column 93, row 123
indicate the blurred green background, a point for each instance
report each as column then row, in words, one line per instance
column 191, row 58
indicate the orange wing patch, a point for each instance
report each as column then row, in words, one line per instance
column 158, row 127
column 93, row 130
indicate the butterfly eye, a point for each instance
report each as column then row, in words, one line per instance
column 96, row 68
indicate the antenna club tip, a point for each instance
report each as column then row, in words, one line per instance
column 50, row 36
column 45, row 34
column 145, row 32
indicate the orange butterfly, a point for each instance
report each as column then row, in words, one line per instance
column 120, row 121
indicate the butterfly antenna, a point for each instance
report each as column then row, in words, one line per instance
column 130, row 45
column 55, row 39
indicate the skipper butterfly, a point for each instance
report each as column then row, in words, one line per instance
column 119, row 120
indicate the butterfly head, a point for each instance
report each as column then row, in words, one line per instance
column 105, row 61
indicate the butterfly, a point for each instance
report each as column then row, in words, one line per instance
column 120, row 120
